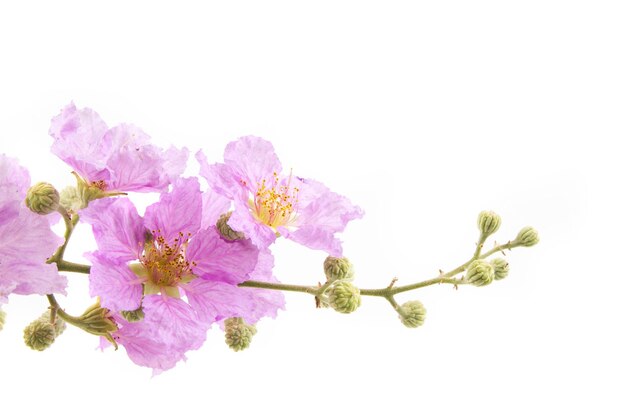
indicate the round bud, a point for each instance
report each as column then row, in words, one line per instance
column 528, row 236
column 70, row 199
column 39, row 335
column 238, row 333
column 500, row 268
column 132, row 316
column 412, row 314
column 488, row 222
column 42, row 198
column 59, row 323
column 338, row 269
column 344, row 297
column 225, row 230
column 480, row 273
column 3, row 317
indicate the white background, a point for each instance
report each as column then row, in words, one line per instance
column 423, row 113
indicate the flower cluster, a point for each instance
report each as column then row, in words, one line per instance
column 200, row 255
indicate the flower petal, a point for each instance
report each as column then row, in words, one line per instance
column 213, row 206
column 179, row 211
column 117, row 286
column 117, row 227
column 169, row 329
column 26, row 242
column 79, row 141
column 321, row 214
column 220, row 259
column 253, row 158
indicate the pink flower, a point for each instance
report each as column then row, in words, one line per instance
column 269, row 203
column 26, row 240
column 117, row 159
column 182, row 275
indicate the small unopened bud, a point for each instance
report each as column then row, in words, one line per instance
column 39, row 335
column 500, row 268
column 344, row 297
column 225, row 230
column 480, row 273
column 338, row 269
column 238, row 333
column 133, row 315
column 412, row 313
column 3, row 317
column 42, row 198
column 70, row 199
column 528, row 236
column 488, row 223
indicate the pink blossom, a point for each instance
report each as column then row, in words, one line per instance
column 182, row 275
column 269, row 203
column 26, row 240
column 114, row 159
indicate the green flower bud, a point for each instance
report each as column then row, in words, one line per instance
column 500, row 268
column 3, row 317
column 488, row 223
column 238, row 333
column 70, row 199
column 338, row 269
column 480, row 273
column 528, row 236
column 344, row 297
column 39, row 335
column 133, row 315
column 42, row 198
column 225, row 230
column 412, row 313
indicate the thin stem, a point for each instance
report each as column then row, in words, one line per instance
column 70, row 223
column 281, row 287
column 73, row 267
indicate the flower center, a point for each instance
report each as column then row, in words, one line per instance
column 165, row 264
column 274, row 202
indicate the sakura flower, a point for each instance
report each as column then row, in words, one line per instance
column 269, row 203
column 26, row 240
column 183, row 276
column 114, row 159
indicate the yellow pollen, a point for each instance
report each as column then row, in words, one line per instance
column 165, row 262
column 274, row 203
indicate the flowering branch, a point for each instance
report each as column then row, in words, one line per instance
column 195, row 257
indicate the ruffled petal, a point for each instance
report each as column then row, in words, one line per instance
column 321, row 214
column 253, row 158
column 220, row 259
column 136, row 165
column 26, row 242
column 14, row 181
column 214, row 301
column 242, row 220
column 179, row 211
column 117, row 227
column 213, row 206
column 169, row 329
column 79, row 141
column 222, row 178
column 117, row 286
column 265, row 303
